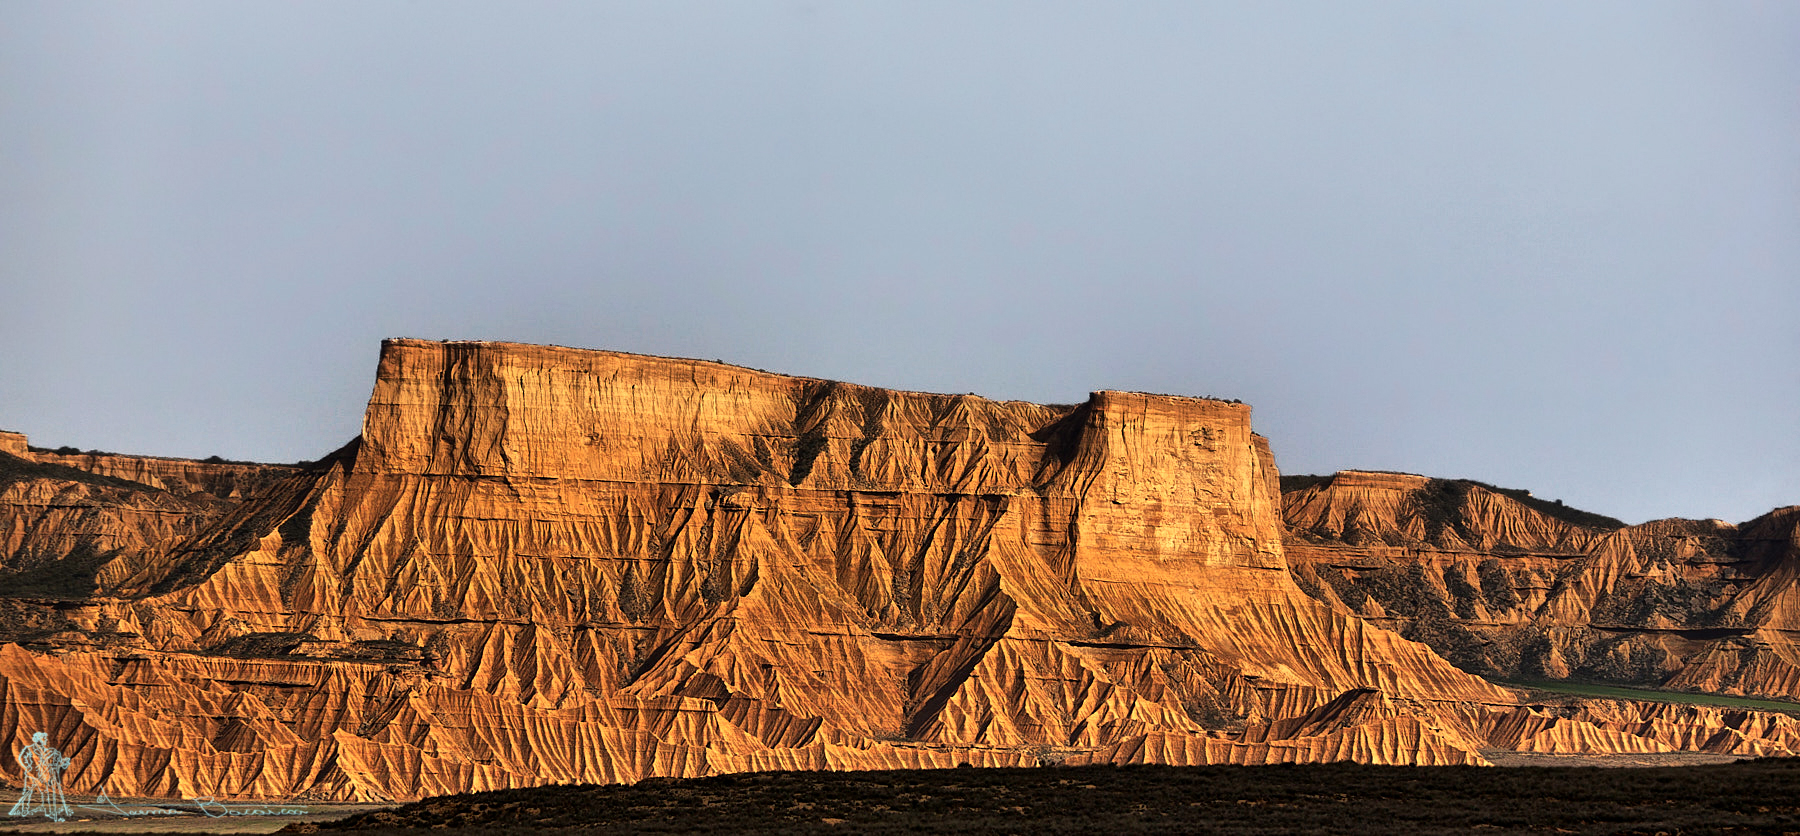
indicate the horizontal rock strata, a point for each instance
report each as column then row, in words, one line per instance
column 1515, row 588
column 181, row 477
column 540, row 565
column 65, row 517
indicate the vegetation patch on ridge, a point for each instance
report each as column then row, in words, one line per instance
column 1555, row 509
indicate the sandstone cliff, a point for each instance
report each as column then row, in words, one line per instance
column 65, row 517
column 1511, row 587
column 549, row 565
column 181, row 477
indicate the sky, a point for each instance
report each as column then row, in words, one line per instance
column 1553, row 246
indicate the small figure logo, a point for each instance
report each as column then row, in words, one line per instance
column 43, row 794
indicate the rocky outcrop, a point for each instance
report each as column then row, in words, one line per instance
column 15, row 444
column 59, row 526
column 64, row 518
column 546, row 565
column 671, row 567
column 181, row 477
column 1512, row 587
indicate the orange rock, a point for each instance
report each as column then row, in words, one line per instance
column 550, row 565
column 1513, row 587
column 181, row 477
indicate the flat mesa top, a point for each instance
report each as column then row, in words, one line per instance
column 573, row 353
column 1378, row 479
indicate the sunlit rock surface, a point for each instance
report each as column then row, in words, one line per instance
column 543, row 565
column 1510, row 586
column 65, row 517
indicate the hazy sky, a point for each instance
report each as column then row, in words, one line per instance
column 1553, row 246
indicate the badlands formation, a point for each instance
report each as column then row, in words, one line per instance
column 546, row 565
column 1513, row 587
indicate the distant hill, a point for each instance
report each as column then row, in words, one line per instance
column 1509, row 586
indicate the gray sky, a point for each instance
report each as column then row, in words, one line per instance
column 1553, row 246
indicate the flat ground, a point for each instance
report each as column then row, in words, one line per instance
column 1508, row 757
column 1748, row 797
column 1670, row 793
column 1541, row 690
column 138, row 815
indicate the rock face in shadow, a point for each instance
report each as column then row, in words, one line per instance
column 1513, row 587
column 66, row 518
column 544, row 565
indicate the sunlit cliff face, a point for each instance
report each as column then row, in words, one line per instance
column 1518, row 588
column 549, row 565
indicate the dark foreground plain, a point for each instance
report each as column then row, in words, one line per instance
column 1761, row 796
